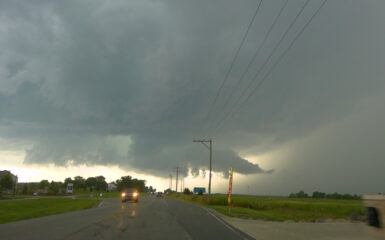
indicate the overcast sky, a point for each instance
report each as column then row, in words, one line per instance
column 127, row 85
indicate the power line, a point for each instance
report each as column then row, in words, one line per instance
column 256, row 53
column 274, row 65
column 233, row 61
column 265, row 63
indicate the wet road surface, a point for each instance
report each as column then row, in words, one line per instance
column 150, row 218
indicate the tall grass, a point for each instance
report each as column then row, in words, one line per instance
column 280, row 209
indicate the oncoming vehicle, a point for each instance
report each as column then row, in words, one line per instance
column 130, row 194
column 159, row 194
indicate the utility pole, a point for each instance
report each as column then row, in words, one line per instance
column 181, row 183
column 176, row 187
column 210, row 147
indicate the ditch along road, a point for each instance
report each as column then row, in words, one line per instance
column 150, row 218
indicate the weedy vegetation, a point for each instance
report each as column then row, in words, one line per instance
column 279, row 209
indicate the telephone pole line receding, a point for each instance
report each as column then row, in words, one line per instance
column 210, row 147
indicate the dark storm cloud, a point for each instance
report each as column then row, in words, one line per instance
column 130, row 82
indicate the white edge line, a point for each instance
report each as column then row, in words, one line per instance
column 101, row 203
column 220, row 220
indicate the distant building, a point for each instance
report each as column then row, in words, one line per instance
column 111, row 187
column 197, row 189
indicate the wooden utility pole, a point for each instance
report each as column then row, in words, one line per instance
column 176, row 182
column 210, row 147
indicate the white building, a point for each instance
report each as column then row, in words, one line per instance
column 111, row 187
column 70, row 188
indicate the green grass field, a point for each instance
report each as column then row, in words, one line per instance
column 15, row 210
column 11, row 196
column 279, row 209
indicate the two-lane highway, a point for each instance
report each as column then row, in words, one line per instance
column 150, row 218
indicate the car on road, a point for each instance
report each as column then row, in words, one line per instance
column 159, row 194
column 130, row 194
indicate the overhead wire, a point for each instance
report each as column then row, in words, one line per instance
column 273, row 66
column 268, row 58
column 256, row 53
column 233, row 61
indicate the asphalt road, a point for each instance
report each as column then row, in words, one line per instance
column 150, row 218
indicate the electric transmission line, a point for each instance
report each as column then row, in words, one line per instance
column 232, row 113
column 233, row 61
column 256, row 53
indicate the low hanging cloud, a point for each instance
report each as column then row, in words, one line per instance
column 131, row 83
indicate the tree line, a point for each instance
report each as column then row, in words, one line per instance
column 80, row 184
column 321, row 195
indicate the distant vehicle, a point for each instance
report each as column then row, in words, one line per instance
column 159, row 194
column 130, row 194
column 199, row 189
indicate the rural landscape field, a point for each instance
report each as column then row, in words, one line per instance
column 280, row 209
column 192, row 119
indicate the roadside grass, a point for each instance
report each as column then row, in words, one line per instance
column 11, row 211
column 6, row 196
column 279, row 209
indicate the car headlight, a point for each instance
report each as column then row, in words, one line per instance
column 123, row 194
column 135, row 194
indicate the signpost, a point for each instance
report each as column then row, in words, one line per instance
column 230, row 188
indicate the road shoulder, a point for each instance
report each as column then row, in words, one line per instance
column 261, row 229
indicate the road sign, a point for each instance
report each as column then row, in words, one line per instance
column 198, row 189
column 230, row 187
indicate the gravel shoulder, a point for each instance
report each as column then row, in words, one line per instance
column 269, row 230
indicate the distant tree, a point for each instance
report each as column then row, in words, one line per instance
column 53, row 188
column 101, row 183
column 187, row 191
column 79, row 182
column 124, row 182
column 200, row 192
column 91, row 183
column 334, row 196
column 168, row 191
column 68, row 180
column 300, row 194
column 44, row 184
column 25, row 188
column 6, row 182
column 357, row 197
column 317, row 194
column 128, row 182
